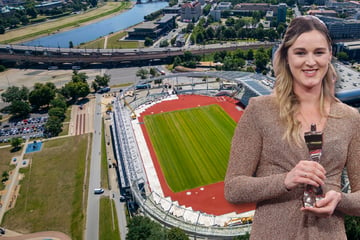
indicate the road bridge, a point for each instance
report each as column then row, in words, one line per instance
column 82, row 57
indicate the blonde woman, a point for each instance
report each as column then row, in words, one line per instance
column 269, row 160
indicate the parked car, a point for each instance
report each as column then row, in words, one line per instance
column 98, row 191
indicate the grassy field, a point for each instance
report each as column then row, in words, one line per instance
column 104, row 161
column 114, row 42
column 51, row 27
column 52, row 191
column 6, row 156
column 192, row 145
column 108, row 220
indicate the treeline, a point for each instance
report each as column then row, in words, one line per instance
column 152, row 16
column 234, row 29
column 28, row 13
column 238, row 60
column 46, row 97
column 141, row 227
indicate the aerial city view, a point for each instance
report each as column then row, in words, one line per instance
column 129, row 119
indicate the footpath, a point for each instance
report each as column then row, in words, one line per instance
column 9, row 194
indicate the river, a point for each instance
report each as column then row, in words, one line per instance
column 99, row 29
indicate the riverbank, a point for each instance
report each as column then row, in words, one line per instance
column 109, row 9
column 115, row 40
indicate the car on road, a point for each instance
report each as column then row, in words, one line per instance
column 98, row 191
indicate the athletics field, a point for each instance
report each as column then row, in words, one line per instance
column 189, row 141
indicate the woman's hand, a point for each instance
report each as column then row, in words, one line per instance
column 305, row 172
column 326, row 206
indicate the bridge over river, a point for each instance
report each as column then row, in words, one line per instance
column 61, row 57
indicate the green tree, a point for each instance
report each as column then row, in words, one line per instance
column 209, row 33
column 79, row 77
column 24, row 20
column 142, row 73
column 177, row 234
column 42, row 94
column 177, row 61
column 75, row 90
column 2, row 68
column 343, row 56
column 102, row 81
column 5, row 176
column 19, row 108
column 280, row 29
column 59, row 102
column 261, row 59
column 148, row 42
column 53, row 126
column 32, row 12
column 77, row 87
column 141, row 227
column 153, row 72
column 188, row 56
column 57, row 112
column 95, row 86
column 16, row 142
column 250, row 54
column 15, row 93
column 164, row 43
column 93, row 3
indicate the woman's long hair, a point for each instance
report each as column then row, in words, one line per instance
column 285, row 96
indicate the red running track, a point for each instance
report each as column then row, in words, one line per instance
column 210, row 198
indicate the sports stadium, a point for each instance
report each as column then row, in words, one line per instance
column 172, row 143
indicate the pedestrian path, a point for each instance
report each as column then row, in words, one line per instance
column 9, row 194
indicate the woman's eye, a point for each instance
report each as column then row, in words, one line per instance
column 299, row 53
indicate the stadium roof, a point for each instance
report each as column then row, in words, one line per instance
column 256, row 86
column 349, row 95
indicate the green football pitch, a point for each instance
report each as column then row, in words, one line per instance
column 191, row 145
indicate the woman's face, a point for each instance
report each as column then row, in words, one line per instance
column 309, row 59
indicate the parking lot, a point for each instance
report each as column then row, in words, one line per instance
column 29, row 128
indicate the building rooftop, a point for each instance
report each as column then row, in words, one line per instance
column 166, row 18
column 146, row 25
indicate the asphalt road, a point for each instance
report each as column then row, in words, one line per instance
column 92, row 216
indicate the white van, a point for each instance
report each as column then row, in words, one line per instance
column 98, row 191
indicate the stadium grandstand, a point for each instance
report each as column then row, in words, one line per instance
column 137, row 177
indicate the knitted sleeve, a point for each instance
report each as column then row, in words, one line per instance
column 241, row 183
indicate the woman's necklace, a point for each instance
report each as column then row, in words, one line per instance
column 317, row 123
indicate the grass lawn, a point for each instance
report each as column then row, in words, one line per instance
column 192, row 145
column 104, row 161
column 50, row 27
column 52, row 192
column 109, row 229
column 114, row 42
column 6, row 155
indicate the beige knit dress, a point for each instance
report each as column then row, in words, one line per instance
column 260, row 159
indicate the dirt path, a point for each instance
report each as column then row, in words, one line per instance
column 11, row 235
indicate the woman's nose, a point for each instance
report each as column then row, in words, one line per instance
column 310, row 60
